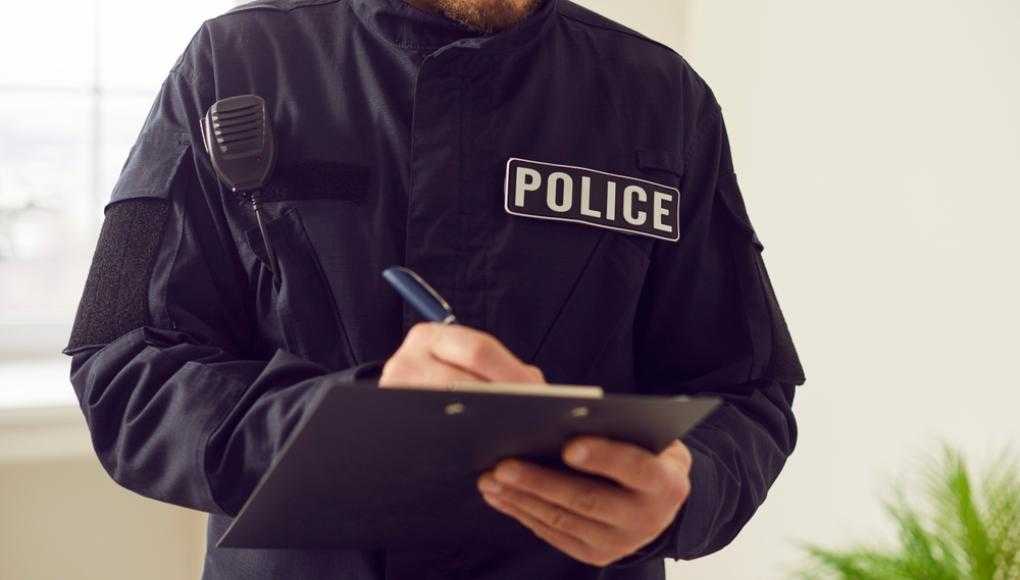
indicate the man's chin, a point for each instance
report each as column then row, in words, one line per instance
column 482, row 15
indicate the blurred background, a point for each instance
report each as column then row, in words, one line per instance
column 877, row 145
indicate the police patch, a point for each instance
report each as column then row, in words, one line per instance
column 576, row 194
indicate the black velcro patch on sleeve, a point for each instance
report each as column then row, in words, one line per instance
column 115, row 299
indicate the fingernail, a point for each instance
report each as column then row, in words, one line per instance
column 577, row 454
column 489, row 486
column 508, row 473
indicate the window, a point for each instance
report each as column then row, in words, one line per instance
column 71, row 105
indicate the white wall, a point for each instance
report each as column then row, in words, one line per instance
column 878, row 145
column 64, row 519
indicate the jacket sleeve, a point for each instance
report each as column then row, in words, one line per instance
column 709, row 324
column 181, row 407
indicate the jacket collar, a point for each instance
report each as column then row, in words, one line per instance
column 403, row 25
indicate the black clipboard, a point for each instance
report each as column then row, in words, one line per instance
column 370, row 467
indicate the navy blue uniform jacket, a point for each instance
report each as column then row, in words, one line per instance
column 619, row 254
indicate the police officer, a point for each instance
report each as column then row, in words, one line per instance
column 563, row 181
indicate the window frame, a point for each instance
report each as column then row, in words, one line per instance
column 33, row 339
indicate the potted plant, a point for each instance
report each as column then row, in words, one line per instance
column 957, row 528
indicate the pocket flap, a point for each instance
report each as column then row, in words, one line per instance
column 661, row 160
column 151, row 165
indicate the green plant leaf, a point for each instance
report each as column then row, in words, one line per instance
column 954, row 530
column 923, row 554
column 1001, row 489
column 973, row 534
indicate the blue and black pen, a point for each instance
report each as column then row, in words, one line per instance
column 419, row 294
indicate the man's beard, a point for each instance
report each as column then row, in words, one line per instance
column 482, row 15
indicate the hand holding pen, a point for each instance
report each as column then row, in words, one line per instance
column 594, row 522
column 439, row 352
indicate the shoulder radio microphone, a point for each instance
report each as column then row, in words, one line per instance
column 238, row 136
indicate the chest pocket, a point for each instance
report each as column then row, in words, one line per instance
column 581, row 315
column 591, row 338
column 295, row 305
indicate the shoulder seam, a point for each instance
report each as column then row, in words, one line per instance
column 263, row 6
column 179, row 63
column 619, row 31
column 701, row 129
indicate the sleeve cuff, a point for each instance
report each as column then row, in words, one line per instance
column 685, row 536
column 694, row 530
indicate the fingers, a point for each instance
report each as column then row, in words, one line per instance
column 421, row 371
column 472, row 351
column 556, row 517
column 580, row 495
column 594, row 521
column 629, row 465
column 680, row 453
column 559, row 539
